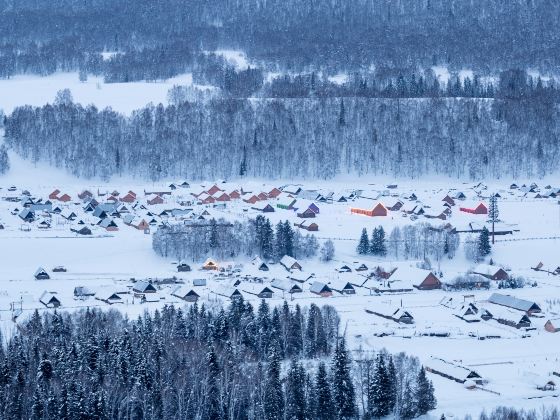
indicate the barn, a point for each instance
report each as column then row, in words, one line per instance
column 320, row 289
column 286, row 285
column 552, row 325
column 419, row 278
column 143, row 287
column 183, row 267
column 108, row 296
column 252, row 200
column 344, row 287
column 479, row 209
column 210, row 264
column 286, row 203
column 378, row 210
column 515, row 303
column 223, row 197
column 49, row 300
column 154, row 199
column 41, row 274
column 491, row 272
column 290, row 263
column 307, row 213
column 185, row 293
column 263, row 208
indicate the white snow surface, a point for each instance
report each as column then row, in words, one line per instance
column 122, row 97
column 108, row 260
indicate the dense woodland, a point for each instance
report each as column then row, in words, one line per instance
column 513, row 134
column 240, row 363
column 220, row 239
column 164, row 37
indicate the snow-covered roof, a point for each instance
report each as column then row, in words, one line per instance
column 513, row 302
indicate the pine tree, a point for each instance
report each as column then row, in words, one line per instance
column 243, row 166
column 484, row 247
column 377, row 245
column 294, row 345
column 407, row 409
column 343, row 388
column 288, row 239
column 213, row 390
column 424, row 394
column 363, row 245
column 379, row 388
column 213, row 239
column 267, row 238
column 280, row 241
column 392, row 391
column 325, row 408
column 493, row 213
column 296, row 404
column 274, row 401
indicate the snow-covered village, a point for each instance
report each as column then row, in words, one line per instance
column 279, row 210
column 463, row 276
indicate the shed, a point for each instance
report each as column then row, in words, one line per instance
column 290, row 263
column 210, row 264
column 514, row 303
column 183, row 267
column 108, row 296
column 342, row 286
column 491, row 272
column 286, row 285
column 49, row 300
column 186, row 293
column 552, row 325
column 378, row 210
column 199, row 282
column 41, row 274
column 320, row 289
column 143, row 287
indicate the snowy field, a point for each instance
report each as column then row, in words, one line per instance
column 122, row 97
column 513, row 363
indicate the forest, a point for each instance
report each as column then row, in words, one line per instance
column 511, row 135
column 197, row 240
column 269, row 363
column 158, row 39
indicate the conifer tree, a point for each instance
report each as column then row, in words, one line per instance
column 213, row 239
column 407, row 409
column 213, row 390
column 379, row 388
column 343, row 388
column 324, row 405
column 484, row 247
column 363, row 245
column 274, row 401
column 267, row 244
column 377, row 245
column 493, row 213
column 424, row 394
column 296, row 402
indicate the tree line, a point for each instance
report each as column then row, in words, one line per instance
column 45, row 36
column 235, row 363
column 301, row 137
column 197, row 240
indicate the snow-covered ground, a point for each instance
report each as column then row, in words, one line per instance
column 122, row 97
column 108, row 260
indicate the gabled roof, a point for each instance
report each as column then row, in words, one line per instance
column 319, row 287
column 514, row 303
